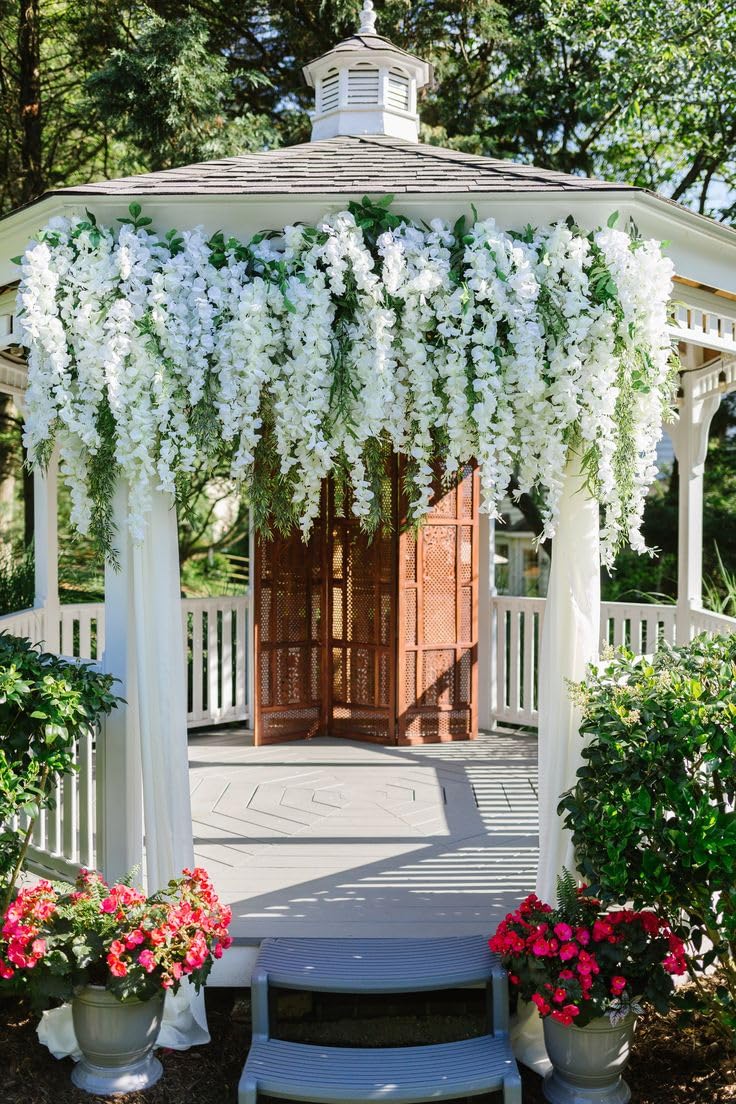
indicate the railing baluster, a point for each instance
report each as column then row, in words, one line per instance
column 69, row 810
column 86, row 802
column 227, row 702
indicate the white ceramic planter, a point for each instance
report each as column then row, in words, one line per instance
column 588, row 1061
column 117, row 1040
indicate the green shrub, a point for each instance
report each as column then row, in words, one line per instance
column 46, row 705
column 652, row 814
column 17, row 583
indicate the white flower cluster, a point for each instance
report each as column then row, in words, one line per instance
column 442, row 344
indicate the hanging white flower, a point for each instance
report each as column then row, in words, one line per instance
column 504, row 349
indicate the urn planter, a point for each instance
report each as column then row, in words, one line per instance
column 117, row 1040
column 588, row 1062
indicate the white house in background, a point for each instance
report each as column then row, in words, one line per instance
column 522, row 566
column 364, row 142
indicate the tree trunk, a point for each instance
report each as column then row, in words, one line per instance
column 532, row 514
column 28, row 506
column 29, row 101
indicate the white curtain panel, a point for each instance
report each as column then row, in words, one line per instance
column 162, row 719
column 157, row 716
column 570, row 641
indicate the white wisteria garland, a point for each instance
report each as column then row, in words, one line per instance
column 320, row 349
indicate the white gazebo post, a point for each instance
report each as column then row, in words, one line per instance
column 119, row 790
column 690, row 440
column 486, row 623
column 46, row 550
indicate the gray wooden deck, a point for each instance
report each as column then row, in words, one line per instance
column 334, row 837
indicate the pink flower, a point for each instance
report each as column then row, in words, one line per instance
column 674, row 965
column 560, row 996
column 618, row 984
column 602, row 930
column 147, row 961
column 649, row 922
column 568, row 951
column 116, row 967
column 542, row 1006
column 540, row 947
column 563, row 932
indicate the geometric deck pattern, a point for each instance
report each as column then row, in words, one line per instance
column 338, row 838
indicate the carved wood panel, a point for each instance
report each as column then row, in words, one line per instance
column 361, row 605
column 288, row 628
column 437, row 617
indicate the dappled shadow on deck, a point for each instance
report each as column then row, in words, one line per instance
column 334, row 837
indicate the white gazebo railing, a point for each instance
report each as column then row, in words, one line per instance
column 218, row 661
column 517, row 634
column 215, row 635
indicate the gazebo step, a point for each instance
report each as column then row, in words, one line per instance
column 333, row 1075
column 377, row 965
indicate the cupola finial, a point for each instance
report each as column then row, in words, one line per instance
column 367, row 19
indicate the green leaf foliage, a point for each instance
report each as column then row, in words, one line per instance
column 46, row 705
column 653, row 813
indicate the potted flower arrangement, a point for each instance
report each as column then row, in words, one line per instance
column 589, row 971
column 113, row 952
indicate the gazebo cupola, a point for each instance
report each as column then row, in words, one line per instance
column 366, row 85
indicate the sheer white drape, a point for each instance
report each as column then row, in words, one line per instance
column 570, row 641
column 157, row 718
column 162, row 723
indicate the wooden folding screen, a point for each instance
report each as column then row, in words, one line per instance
column 370, row 638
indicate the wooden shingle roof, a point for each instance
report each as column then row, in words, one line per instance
column 347, row 165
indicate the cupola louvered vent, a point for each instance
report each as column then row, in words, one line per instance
column 366, row 85
column 362, row 86
column 330, row 90
column 398, row 90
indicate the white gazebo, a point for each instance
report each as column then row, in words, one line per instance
column 365, row 142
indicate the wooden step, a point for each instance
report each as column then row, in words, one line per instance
column 377, row 965
column 335, row 1075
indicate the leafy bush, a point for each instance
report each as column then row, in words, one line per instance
column 46, row 704
column 17, row 583
column 652, row 814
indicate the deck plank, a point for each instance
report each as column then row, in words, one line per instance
column 340, row 838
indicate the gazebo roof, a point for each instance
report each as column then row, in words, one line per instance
column 358, row 43
column 348, row 165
